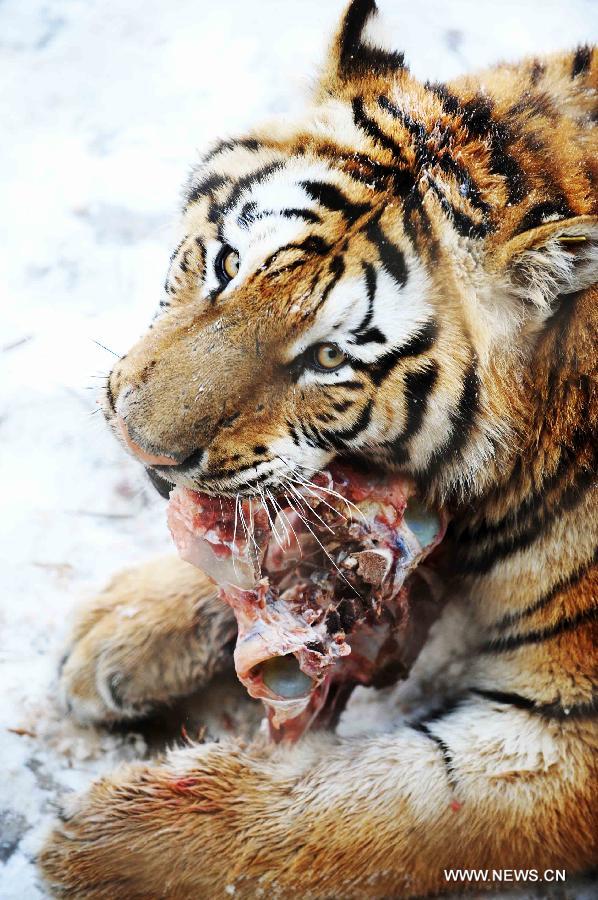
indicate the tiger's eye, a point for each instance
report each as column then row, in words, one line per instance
column 227, row 264
column 329, row 356
column 230, row 264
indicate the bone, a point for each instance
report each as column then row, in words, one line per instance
column 422, row 522
column 373, row 565
column 283, row 677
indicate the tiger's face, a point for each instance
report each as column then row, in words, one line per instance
column 340, row 288
column 299, row 323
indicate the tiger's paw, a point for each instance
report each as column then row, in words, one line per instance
column 156, row 632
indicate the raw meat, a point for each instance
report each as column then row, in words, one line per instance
column 316, row 578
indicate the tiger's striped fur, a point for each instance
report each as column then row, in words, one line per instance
column 445, row 239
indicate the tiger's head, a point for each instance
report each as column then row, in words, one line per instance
column 368, row 280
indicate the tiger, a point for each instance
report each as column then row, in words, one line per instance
column 405, row 273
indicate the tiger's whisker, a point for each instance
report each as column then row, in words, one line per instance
column 292, row 488
column 234, row 551
column 330, row 491
column 250, row 527
column 271, row 523
column 292, row 508
column 326, row 553
column 270, row 496
column 325, row 502
column 107, row 349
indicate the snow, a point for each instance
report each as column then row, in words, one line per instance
column 103, row 109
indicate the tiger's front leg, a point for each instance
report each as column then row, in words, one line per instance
column 486, row 787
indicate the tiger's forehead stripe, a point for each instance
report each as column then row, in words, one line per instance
column 462, row 147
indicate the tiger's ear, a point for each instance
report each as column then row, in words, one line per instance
column 357, row 49
column 552, row 259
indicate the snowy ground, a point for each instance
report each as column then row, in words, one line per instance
column 103, row 106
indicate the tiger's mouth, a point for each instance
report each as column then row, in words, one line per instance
column 239, row 486
column 164, row 486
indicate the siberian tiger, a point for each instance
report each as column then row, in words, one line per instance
column 407, row 273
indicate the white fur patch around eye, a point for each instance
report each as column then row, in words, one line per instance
column 257, row 237
column 313, row 376
column 280, row 190
column 398, row 313
column 343, row 310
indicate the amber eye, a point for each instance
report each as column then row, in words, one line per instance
column 328, row 356
column 227, row 264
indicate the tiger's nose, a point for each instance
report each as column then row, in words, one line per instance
column 150, row 459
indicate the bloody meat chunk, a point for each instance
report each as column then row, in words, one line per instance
column 317, row 580
column 225, row 540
